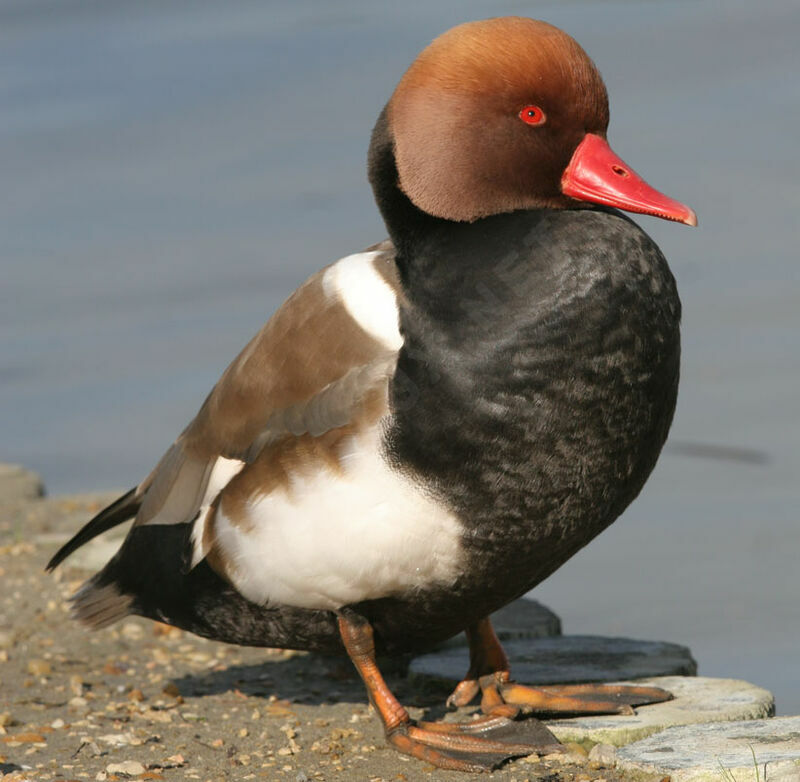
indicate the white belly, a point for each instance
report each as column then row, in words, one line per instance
column 331, row 538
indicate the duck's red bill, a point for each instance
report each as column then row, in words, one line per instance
column 596, row 174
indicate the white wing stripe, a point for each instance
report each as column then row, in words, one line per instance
column 221, row 474
column 368, row 298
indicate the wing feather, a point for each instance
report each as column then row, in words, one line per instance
column 305, row 372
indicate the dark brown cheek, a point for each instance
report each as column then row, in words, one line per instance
column 562, row 143
column 540, row 167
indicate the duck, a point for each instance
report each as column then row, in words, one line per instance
column 428, row 428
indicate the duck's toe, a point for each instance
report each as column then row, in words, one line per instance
column 503, row 697
column 581, row 698
column 481, row 745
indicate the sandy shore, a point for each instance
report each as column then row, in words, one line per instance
column 152, row 702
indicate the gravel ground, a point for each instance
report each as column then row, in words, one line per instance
column 147, row 701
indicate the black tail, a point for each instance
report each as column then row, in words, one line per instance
column 123, row 509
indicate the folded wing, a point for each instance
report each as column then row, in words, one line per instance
column 308, row 370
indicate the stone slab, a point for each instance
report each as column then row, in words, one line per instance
column 720, row 752
column 524, row 618
column 570, row 659
column 698, row 699
column 18, row 483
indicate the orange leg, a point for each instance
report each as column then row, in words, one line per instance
column 475, row 746
column 489, row 674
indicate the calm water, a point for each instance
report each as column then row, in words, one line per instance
column 169, row 171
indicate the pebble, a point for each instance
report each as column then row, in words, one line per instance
column 171, row 689
column 130, row 767
column 132, row 630
column 39, row 667
column 563, row 758
column 91, row 747
column 26, row 738
column 76, row 684
column 121, row 739
column 576, row 749
column 604, row 755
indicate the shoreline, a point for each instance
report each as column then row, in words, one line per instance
column 144, row 700
column 174, row 706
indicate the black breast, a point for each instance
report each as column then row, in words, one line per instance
column 534, row 392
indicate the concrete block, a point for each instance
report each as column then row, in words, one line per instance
column 570, row 659
column 698, row 699
column 720, row 752
column 524, row 618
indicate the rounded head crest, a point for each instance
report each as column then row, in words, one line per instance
column 488, row 116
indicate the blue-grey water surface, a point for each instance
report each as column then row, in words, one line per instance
column 170, row 171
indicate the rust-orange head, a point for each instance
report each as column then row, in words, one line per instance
column 489, row 117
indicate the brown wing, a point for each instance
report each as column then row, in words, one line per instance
column 302, row 372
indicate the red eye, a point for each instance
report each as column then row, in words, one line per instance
column 533, row 115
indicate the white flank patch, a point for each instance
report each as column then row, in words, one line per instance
column 366, row 295
column 333, row 539
column 221, row 474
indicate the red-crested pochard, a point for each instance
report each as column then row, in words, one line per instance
column 427, row 429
